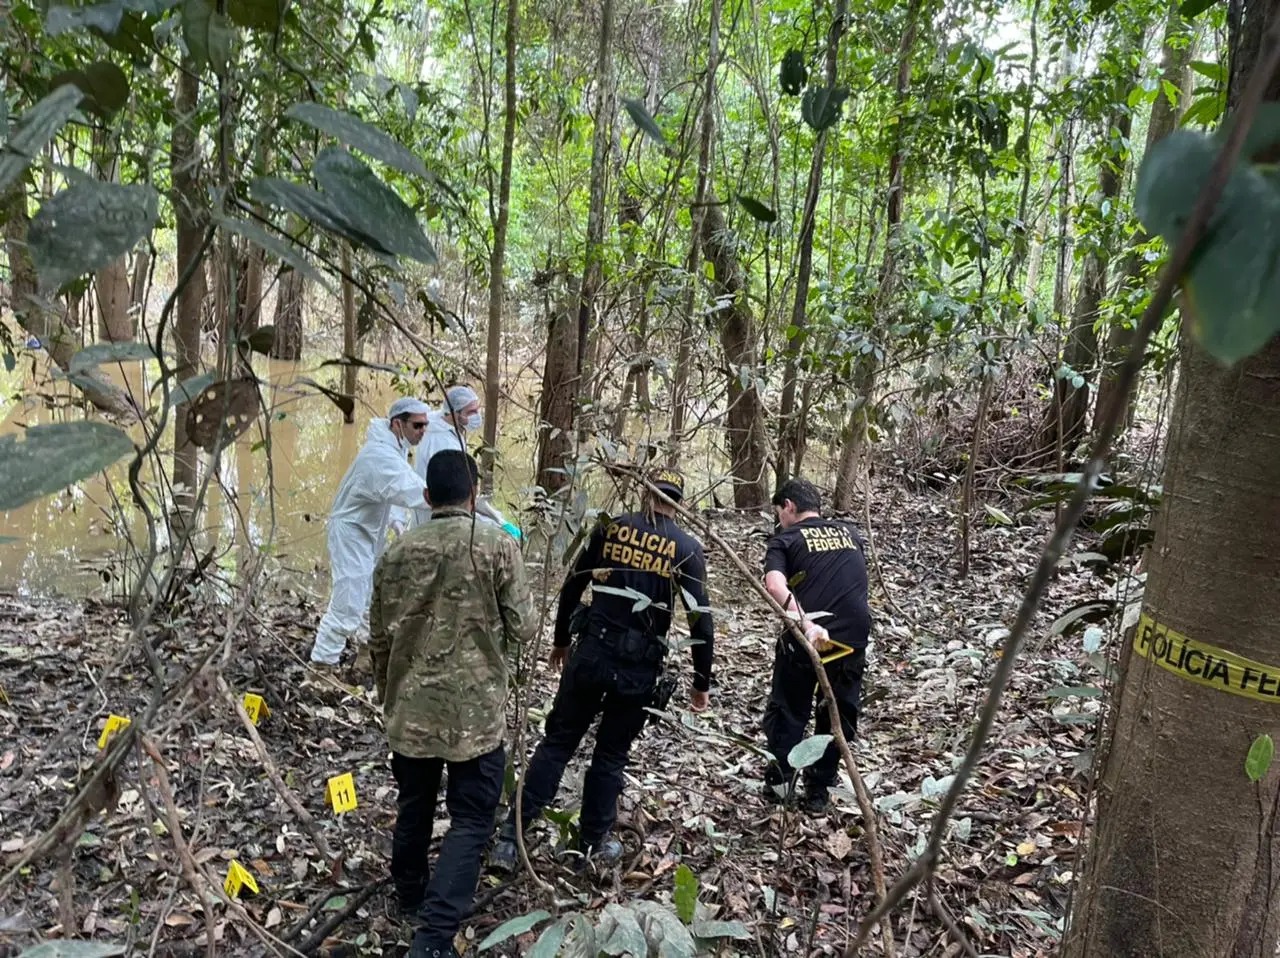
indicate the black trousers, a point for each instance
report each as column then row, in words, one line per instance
column 471, row 796
column 595, row 682
column 791, row 700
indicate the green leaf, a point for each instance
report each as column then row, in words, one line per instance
column 312, row 205
column 686, row 893
column 720, row 929
column 281, row 249
column 626, row 937
column 820, row 105
column 808, row 751
column 45, row 459
column 209, row 35
column 1097, row 7
column 109, row 353
column 664, row 929
column 102, row 16
column 341, row 400
column 1232, row 288
column 255, row 14
column 189, row 389
column 757, row 210
column 1092, row 610
column 548, row 943
column 998, row 516
column 515, row 926
column 108, row 86
column 73, row 949
column 87, row 226
column 1261, row 752
column 372, row 207
column 1193, row 8
column 38, row 126
column 359, row 135
column 1074, row 691
column 580, row 942
column 640, row 116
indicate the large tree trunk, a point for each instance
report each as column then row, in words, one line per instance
column 111, row 283
column 350, row 333
column 1175, row 70
column 559, row 390
column 745, row 430
column 499, row 212
column 288, row 322
column 45, row 325
column 189, row 215
column 1185, row 856
column 791, row 435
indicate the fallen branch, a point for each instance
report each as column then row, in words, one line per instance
column 331, row 923
column 1179, row 260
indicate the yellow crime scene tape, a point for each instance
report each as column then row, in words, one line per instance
column 1205, row 664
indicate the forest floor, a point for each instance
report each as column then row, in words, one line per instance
column 797, row 883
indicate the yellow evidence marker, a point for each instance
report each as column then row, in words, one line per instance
column 843, row 651
column 340, row 792
column 256, row 707
column 238, row 879
column 114, row 724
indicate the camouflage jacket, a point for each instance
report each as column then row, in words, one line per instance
column 449, row 599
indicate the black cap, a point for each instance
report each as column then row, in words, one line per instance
column 669, row 481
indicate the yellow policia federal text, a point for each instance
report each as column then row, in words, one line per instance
column 646, row 551
column 1205, row 664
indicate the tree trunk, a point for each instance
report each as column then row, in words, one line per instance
column 697, row 216
column 288, row 322
column 57, row 339
column 111, row 283
column 350, row 334
column 249, row 290
column 498, row 257
column 559, row 390
column 1175, row 70
column 791, row 429
column 1185, row 856
column 138, row 285
column 189, row 216
column 853, row 438
column 745, row 430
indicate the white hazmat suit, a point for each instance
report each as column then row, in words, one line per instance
column 379, row 478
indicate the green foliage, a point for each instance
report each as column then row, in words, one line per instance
column 1232, row 286
column 209, row 35
column 359, row 135
column 757, row 210
column 548, row 943
column 686, row 893
column 283, row 250
column 73, row 949
column 99, row 353
column 515, row 926
column 820, row 105
column 640, row 116
column 87, row 226
column 808, row 751
column 39, row 125
column 792, row 74
column 1258, row 761
column 45, row 459
column 104, row 83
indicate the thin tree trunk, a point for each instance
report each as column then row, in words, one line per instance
column 559, row 387
column 791, row 429
column 189, row 215
column 1184, row 861
column 288, row 322
column 498, row 257
column 697, row 215
column 350, row 334
column 111, row 283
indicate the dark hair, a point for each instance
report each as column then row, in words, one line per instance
column 800, row 491
column 451, row 477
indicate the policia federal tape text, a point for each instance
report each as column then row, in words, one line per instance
column 1205, row 664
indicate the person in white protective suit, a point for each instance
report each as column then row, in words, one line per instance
column 459, row 414
column 380, row 477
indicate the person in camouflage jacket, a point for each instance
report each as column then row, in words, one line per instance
column 450, row 599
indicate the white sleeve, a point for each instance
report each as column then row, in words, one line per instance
column 404, row 488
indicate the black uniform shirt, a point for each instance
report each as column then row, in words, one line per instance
column 637, row 557
column 825, row 564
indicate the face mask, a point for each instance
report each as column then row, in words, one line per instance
column 475, row 421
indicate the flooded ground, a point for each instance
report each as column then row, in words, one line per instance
column 273, row 496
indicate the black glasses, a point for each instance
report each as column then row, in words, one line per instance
column 417, row 425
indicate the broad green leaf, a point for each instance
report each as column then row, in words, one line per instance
column 997, row 516
column 758, row 210
column 515, row 926
column 1261, row 752
column 371, row 206
column 662, row 927
column 281, row 249
column 209, row 35
column 255, row 14
column 640, row 116
column 73, row 949
column 188, row 390
column 87, row 226
column 720, row 929
column 62, row 18
column 1263, row 133
column 820, row 105
column 1074, row 691
column 580, row 942
column 626, row 937
column 109, row 353
column 686, row 893
column 808, row 751
column 548, row 943
column 1092, row 610
column 359, row 135
column 1232, row 289
column 45, row 459
column 1193, row 8
column 104, row 83
column 38, row 126
column 312, row 205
